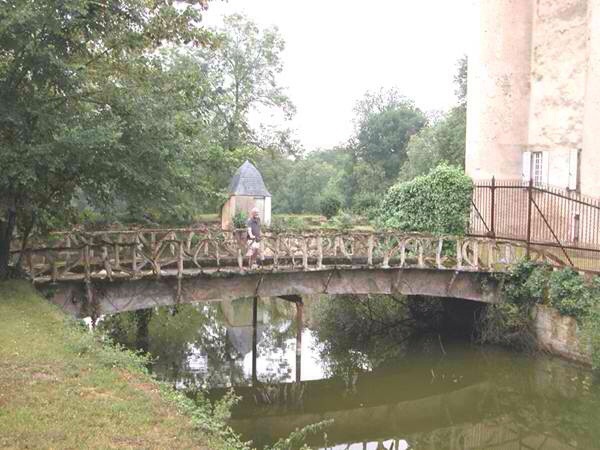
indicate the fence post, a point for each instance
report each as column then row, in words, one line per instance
column 493, row 206
column 529, row 210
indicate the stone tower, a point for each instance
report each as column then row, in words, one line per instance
column 533, row 108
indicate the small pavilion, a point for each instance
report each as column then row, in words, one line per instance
column 247, row 190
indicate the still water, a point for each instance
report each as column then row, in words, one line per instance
column 432, row 392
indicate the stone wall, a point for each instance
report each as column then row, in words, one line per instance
column 560, row 335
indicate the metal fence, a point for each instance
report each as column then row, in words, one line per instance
column 565, row 223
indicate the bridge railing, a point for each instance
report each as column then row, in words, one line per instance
column 184, row 252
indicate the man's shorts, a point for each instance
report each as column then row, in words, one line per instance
column 253, row 249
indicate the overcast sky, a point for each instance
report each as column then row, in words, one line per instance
column 338, row 49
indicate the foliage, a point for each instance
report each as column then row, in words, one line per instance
column 87, row 106
column 330, row 206
column 342, row 221
column 525, row 283
column 239, row 219
column 506, row 324
column 591, row 332
column 443, row 141
column 77, row 373
column 280, row 224
column 385, row 122
column 242, row 72
column 439, row 202
column 570, row 294
column 510, row 323
column 366, row 204
column 296, row 439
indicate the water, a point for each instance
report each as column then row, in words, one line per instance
column 431, row 392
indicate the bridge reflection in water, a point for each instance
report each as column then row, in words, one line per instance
column 437, row 406
column 418, row 396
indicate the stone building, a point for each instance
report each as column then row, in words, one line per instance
column 246, row 191
column 534, row 93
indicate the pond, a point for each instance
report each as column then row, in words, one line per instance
column 431, row 391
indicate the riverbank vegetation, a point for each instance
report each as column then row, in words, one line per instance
column 63, row 387
column 529, row 284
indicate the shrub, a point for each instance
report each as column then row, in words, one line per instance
column 506, row 324
column 439, row 202
column 330, row 206
column 239, row 219
column 281, row 224
column 367, row 204
column 342, row 221
column 570, row 295
column 526, row 283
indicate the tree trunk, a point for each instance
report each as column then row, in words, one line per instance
column 7, row 226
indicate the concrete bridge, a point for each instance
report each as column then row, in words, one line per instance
column 113, row 271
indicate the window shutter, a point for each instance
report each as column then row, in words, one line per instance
column 546, row 167
column 526, row 166
column 573, row 160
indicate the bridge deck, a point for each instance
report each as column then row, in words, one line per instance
column 189, row 252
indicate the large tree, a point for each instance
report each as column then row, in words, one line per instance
column 445, row 139
column 88, row 107
column 243, row 72
column 385, row 122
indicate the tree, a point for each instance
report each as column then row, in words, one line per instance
column 444, row 140
column 385, row 122
column 242, row 71
column 86, row 106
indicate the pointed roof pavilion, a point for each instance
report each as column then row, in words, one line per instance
column 248, row 181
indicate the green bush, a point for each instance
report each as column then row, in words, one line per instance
column 570, row 295
column 526, row 283
column 330, row 206
column 239, row 219
column 342, row 221
column 281, row 224
column 506, row 324
column 439, row 203
column 366, row 204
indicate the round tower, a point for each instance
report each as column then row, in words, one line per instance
column 499, row 88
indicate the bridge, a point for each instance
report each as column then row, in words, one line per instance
column 112, row 271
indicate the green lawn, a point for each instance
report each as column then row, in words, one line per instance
column 61, row 388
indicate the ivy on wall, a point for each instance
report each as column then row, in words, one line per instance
column 529, row 284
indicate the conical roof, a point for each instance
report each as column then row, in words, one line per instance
column 248, row 181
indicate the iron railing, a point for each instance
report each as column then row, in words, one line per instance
column 565, row 223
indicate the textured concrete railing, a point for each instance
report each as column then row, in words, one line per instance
column 122, row 255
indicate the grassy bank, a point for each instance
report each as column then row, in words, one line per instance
column 61, row 388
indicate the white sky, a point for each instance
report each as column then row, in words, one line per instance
column 338, row 49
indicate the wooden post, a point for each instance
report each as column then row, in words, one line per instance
column 254, row 338
column 300, row 324
column 304, row 253
column 320, row 251
column 134, row 248
column 86, row 263
column 180, row 261
column 438, row 253
column 371, row 245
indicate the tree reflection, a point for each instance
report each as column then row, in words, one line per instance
column 206, row 345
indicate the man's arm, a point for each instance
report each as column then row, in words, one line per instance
column 249, row 228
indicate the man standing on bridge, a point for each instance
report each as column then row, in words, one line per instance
column 253, row 225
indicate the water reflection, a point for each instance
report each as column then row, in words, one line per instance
column 427, row 392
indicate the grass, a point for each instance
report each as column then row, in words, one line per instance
column 60, row 387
